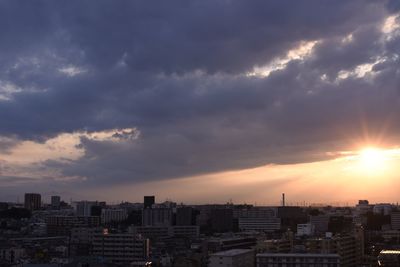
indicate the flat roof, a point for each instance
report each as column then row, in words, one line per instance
column 390, row 252
column 231, row 252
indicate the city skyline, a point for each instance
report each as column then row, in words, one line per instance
column 201, row 102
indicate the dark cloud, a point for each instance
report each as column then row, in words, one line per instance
column 175, row 71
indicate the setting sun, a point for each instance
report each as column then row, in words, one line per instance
column 372, row 159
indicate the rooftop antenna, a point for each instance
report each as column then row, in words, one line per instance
column 283, row 199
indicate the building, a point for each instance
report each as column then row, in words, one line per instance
column 148, row 201
column 222, row 220
column 262, row 224
column 55, row 202
column 184, row 216
column 120, row 248
column 297, row 259
column 389, row 258
column 33, row 201
column 3, row 206
column 255, row 212
column 113, row 215
column 188, row 231
column 151, row 232
column 157, row 217
column 305, row 229
column 158, row 232
column 62, row 225
column 221, row 244
column 382, row 208
column 363, row 207
column 232, row 258
column 84, row 208
column 348, row 247
column 274, row 246
column 395, row 220
column 11, row 255
column 320, row 223
column 81, row 240
column 290, row 212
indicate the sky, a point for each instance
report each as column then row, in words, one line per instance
column 200, row 101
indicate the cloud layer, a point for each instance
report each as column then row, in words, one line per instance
column 175, row 83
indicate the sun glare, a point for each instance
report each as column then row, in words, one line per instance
column 372, row 159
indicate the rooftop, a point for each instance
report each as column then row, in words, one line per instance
column 390, row 252
column 311, row 255
column 231, row 252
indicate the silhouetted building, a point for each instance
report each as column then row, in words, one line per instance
column 3, row 205
column 290, row 216
column 33, row 201
column 96, row 210
column 184, row 216
column 148, row 201
column 89, row 208
column 222, row 220
column 55, row 202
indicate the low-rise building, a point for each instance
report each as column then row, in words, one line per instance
column 297, row 259
column 389, row 258
column 305, row 229
column 262, row 224
column 232, row 258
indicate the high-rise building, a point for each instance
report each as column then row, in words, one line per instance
column 32, row 201
column 148, row 201
column 55, row 202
